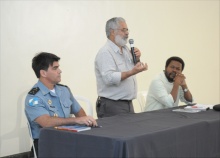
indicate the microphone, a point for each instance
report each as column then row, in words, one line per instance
column 217, row 107
column 131, row 41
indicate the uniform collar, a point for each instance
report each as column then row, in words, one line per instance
column 58, row 90
column 45, row 90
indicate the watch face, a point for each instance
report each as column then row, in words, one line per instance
column 185, row 90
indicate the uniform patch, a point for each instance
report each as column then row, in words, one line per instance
column 33, row 101
column 34, row 90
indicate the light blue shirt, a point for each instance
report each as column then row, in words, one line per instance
column 46, row 102
column 110, row 62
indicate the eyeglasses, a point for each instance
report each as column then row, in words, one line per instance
column 124, row 30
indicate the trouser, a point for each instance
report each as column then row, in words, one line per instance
column 106, row 107
column 36, row 148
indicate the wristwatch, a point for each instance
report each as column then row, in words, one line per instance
column 185, row 90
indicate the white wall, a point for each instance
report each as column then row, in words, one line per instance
column 74, row 30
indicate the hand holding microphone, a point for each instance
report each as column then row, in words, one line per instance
column 131, row 41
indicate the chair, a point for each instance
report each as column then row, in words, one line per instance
column 29, row 128
column 142, row 97
column 87, row 102
column 20, row 130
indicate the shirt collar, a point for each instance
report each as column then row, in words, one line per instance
column 114, row 46
column 165, row 78
column 43, row 88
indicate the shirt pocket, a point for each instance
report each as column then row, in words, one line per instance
column 67, row 103
column 121, row 66
column 67, row 107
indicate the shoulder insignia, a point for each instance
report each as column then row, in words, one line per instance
column 34, row 90
column 62, row 85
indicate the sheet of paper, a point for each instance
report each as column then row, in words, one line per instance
column 187, row 110
column 202, row 107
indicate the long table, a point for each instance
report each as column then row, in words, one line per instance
column 161, row 133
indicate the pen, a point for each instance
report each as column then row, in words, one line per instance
column 96, row 126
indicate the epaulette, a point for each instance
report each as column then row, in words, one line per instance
column 62, row 85
column 34, row 90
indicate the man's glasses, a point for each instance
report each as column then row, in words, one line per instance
column 124, row 30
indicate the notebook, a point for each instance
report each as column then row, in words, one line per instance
column 74, row 128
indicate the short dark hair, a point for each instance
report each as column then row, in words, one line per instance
column 42, row 61
column 175, row 59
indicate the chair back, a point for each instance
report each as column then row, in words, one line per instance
column 142, row 97
column 89, row 107
column 19, row 132
column 29, row 129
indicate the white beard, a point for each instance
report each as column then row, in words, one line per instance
column 120, row 41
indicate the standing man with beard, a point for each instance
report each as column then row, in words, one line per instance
column 115, row 71
column 169, row 87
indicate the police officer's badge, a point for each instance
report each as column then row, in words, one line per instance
column 49, row 101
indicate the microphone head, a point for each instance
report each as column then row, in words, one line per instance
column 216, row 107
column 131, row 41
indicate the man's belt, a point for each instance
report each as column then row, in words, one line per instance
column 116, row 100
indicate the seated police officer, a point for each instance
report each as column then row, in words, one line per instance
column 47, row 99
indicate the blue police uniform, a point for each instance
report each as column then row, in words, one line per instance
column 40, row 101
